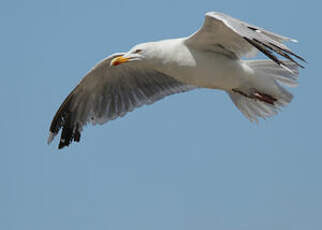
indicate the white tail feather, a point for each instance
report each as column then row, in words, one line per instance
column 264, row 95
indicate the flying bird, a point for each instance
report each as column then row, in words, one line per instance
column 209, row 58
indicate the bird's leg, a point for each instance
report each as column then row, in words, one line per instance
column 255, row 94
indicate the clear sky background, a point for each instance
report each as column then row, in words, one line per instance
column 188, row 162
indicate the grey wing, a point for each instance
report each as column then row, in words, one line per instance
column 106, row 93
column 230, row 36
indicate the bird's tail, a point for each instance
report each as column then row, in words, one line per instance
column 263, row 95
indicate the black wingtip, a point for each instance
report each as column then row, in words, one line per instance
column 287, row 56
column 267, row 49
column 69, row 133
column 63, row 119
column 61, row 145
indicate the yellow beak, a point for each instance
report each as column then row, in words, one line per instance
column 119, row 60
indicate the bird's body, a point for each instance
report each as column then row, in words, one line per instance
column 205, row 69
column 210, row 58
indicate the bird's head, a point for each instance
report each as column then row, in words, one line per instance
column 137, row 53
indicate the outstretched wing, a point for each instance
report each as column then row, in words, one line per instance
column 232, row 37
column 106, row 93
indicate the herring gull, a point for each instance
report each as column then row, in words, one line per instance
column 209, row 58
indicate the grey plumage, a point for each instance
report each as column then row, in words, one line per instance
column 106, row 93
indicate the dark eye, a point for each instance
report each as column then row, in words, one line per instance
column 137, row 51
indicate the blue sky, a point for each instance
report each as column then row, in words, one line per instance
column 190, row 161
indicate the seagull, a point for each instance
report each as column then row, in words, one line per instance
column 209, row 58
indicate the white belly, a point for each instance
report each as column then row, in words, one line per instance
column 208, row 69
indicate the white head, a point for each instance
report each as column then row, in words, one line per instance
column 139, row 52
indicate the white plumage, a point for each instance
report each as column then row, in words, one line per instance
column 210, row 58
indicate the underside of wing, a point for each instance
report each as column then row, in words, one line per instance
column 106, row 93
column 230, row 36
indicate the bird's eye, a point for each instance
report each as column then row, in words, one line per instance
column 137, row 51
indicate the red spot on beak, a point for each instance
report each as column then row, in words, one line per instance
column 119, row 60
